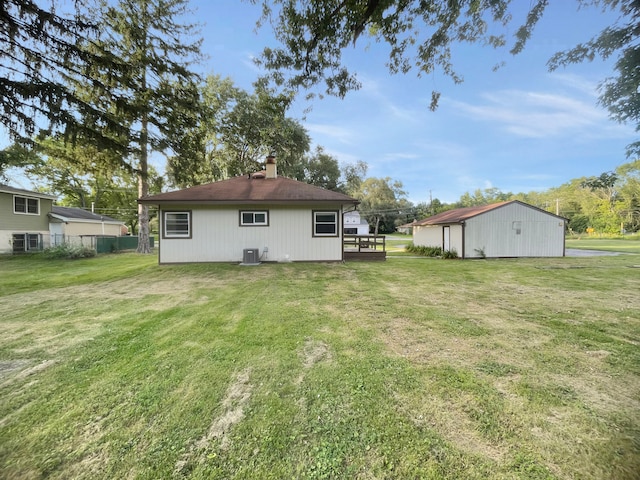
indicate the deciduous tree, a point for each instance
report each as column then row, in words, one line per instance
column 420, row 35
column 322, row 170
column 381, row 201
column 239, row 130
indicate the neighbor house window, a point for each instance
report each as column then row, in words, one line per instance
column 254, row 218
column 30, row 206
column 177, row 225
column 25, row 242
column 325, row 224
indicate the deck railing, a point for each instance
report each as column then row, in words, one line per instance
column 364, row 243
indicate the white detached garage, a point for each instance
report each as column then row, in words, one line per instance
column 499, row 230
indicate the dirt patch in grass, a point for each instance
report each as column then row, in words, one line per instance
column 10, row 366
column 450, row 420
column 312, row 352
column 233, row 403
column 127, row 289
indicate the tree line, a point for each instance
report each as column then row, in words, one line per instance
column 93, row 89
column 605, row 204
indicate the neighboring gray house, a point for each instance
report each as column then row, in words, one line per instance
column 252, row 218
column 506, row 229
column 24, row 220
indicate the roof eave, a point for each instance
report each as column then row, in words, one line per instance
column 246, row 202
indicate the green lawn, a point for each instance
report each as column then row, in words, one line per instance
column 115, row 367
column 628, row 245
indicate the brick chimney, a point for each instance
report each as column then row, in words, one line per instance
column 271, row 168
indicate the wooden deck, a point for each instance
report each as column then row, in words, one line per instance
column 364, row 248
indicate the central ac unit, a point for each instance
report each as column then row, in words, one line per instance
column 251, row 255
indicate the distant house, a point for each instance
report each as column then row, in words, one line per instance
column 506, row 229
column 249, row 219
column 70, row 222
column 24, row 220
column 30, row 222
column 406, row 229
column 354, row 224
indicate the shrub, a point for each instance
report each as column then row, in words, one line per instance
column 450, row 254
column 424, row 251
column 69, row 252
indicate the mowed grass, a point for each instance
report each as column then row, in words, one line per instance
column 115, row 367
column 629, row 244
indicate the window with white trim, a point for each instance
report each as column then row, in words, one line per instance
column 254, row 218
column 25, row 242
column 26, row 205
column 325, row 224
column 176, row 225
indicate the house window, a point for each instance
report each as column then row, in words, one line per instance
column 26, row 205
column 177, row 225
column 254, row 218
column 325, row 224
column 26, row 242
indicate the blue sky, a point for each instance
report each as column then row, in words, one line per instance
column 518, row 129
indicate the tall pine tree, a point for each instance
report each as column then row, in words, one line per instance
column 42, row 47
column 159, row 89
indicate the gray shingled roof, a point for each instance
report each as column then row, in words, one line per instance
column 74, row 213
column 29, row 193
column 249, row 190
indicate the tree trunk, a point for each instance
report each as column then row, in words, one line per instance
column 143, row 190
column 143, row 168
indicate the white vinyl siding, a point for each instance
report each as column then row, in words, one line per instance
column 217, row 236
column 433, row 236
column 515, row 230
column 512, row 230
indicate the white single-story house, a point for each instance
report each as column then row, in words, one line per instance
column 500, row 230
column 68, row 223
column 251, row 219
column 354, row 224
column 24, row 221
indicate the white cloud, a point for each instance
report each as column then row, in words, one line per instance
column 335, row 132
column 535, row 114
column 576, row 82
column 384, row 101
